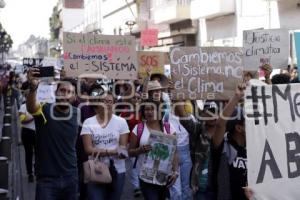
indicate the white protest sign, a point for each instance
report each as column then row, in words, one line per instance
column 113, row 56
column 273, row 141
column 46, row 93
column 266, row 46
column 55, row 62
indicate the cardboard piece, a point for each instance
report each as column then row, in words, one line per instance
column 205, row 72
column 107, row 55
column 151, row 60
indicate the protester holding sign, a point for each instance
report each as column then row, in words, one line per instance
column 139, row 146
column 200, row 133
column 106, row 134
column 229, row 152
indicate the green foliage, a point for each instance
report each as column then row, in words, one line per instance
column 159, row 152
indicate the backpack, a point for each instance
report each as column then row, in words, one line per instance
column 140, row 130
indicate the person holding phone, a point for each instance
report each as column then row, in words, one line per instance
column 56, row 134
column 106, row 134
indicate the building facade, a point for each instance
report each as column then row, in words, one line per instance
column 188, row 22
column 34, row 47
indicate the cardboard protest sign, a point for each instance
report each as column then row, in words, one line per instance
column 157, row 164
column 46, row 93
column 273, row 141
column 151, row 60
column 149, row 37
column 89, row 54
column 266, row 47
column 205, row 72
column 297, row 45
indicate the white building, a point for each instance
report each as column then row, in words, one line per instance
column 34, row 47
column 73, row 16
column 92, row 16
column 185, row 22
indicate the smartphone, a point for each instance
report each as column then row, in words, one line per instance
column 47, row 71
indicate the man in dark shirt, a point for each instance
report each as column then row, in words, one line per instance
column 229, row 153
column 56, row 134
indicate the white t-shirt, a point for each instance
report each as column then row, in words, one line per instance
column 181, row 132
column 108, row 137
column 145, row 140
column 31, row 124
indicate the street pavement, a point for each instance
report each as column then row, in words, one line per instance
column 29, row 188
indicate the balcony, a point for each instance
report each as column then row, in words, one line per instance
column 211, row 9
column 171, row 11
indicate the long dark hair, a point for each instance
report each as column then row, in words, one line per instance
column 158, row 108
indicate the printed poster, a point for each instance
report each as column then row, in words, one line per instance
column 157, row 164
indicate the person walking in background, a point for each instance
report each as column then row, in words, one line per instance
column 28, row 139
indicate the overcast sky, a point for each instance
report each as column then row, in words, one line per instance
column 21, row 18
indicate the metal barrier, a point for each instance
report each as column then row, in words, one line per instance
column 5, row 150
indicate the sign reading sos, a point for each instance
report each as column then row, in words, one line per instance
column 149, row 60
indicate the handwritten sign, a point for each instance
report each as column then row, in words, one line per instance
column 149, row 37
column 89, row 54
column 273, row 141
column 151, row 60
column 46, row 93
column 266, row 46
column 205, row 73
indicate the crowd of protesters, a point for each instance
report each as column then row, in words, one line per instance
column 115, row 125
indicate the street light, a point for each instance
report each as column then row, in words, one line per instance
column 130, row 25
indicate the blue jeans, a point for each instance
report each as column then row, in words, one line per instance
column 153, row 192
column 111, row 191
column 181, row 189
column 58, row 188
column 134, row 175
